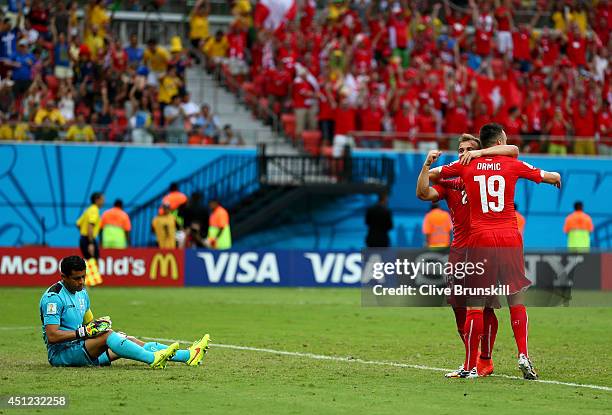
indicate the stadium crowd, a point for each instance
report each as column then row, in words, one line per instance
column 402, row 73
column 67, row 77
column 420, row 69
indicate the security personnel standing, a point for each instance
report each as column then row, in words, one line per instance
column 578, row 227
column 89, row 228
column 116, row 227
column 219, row 233
column 379, row 222
column 437, row 227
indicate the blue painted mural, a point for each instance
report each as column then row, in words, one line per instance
column 46, row 185
column 49, row 185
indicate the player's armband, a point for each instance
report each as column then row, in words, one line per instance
column 88, row 316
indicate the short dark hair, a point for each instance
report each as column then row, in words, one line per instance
column 469, row 137
column 578, row 205
column 435, row 205
column 173, row 187
column 490, row 133
column 95, row 196
column 72, row 263
column 118, row 203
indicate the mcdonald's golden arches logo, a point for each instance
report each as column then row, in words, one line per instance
column 165, row 264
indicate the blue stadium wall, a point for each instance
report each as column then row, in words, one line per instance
column 54, row 182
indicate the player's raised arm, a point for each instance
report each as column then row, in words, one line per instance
column 503, row 150
column 527, row 171
column 551, row 177
column 423, row 190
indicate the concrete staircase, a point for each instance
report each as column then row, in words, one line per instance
column 204, row 89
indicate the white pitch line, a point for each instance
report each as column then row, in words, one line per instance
column 372, row 362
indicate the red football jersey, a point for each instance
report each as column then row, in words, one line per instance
column 490, row 183
column 454, row 193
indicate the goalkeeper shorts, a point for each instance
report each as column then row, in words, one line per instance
column 74, row 354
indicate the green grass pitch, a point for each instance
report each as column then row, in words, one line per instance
column 566, row 344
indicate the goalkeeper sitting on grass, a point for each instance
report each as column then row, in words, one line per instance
column 74, row 338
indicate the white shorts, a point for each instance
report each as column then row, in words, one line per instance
column 63, row 72
column 504, row 42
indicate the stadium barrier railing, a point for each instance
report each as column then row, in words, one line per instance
column 119, row 131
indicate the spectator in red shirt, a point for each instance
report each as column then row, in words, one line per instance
column 583, row 118
column 456, row 120
column 370, row 120
column 119, row 57
column 503, row 17
column 277, row 83
column 344, row 117
column 481, row 117
column 405, row 122
column 398, row 34
column 576, row 47
column 427, row 123
column 513, row 126
column 327, row 103
column 522, row 50
column 304, row 94
column 457, row 21
column 605, row 130
column 549, row 48
column 483, row 24
column 557, row 129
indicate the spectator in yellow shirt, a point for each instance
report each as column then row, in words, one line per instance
column 95, row 42
column 216, row 49
column 242, row 14
column 22, row 131
column 80, row 131
column 6, row 131
column 50, row 112
column 97, row 16
column 169, row 85
column 156, row 58
column 198, row 23
column 164, row 226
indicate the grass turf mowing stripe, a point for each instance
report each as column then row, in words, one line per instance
column 371, row 362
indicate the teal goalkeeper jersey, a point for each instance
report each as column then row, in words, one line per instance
column 60, row 306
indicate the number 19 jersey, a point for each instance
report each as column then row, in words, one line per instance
column 490, row 184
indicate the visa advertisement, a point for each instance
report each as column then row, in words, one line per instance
column 273, row 268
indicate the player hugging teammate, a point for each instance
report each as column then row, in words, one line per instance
column 488, row 234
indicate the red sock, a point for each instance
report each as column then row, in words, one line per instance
column 489, row 333
column 473, row 332
column 520, row 322
column 460, row 315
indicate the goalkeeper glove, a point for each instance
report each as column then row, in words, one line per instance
column 92, row 329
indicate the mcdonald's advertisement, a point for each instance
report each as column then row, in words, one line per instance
column 39, row 266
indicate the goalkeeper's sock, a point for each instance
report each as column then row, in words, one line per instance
column 182, row 355
column 489, row 333
column 123, row 347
